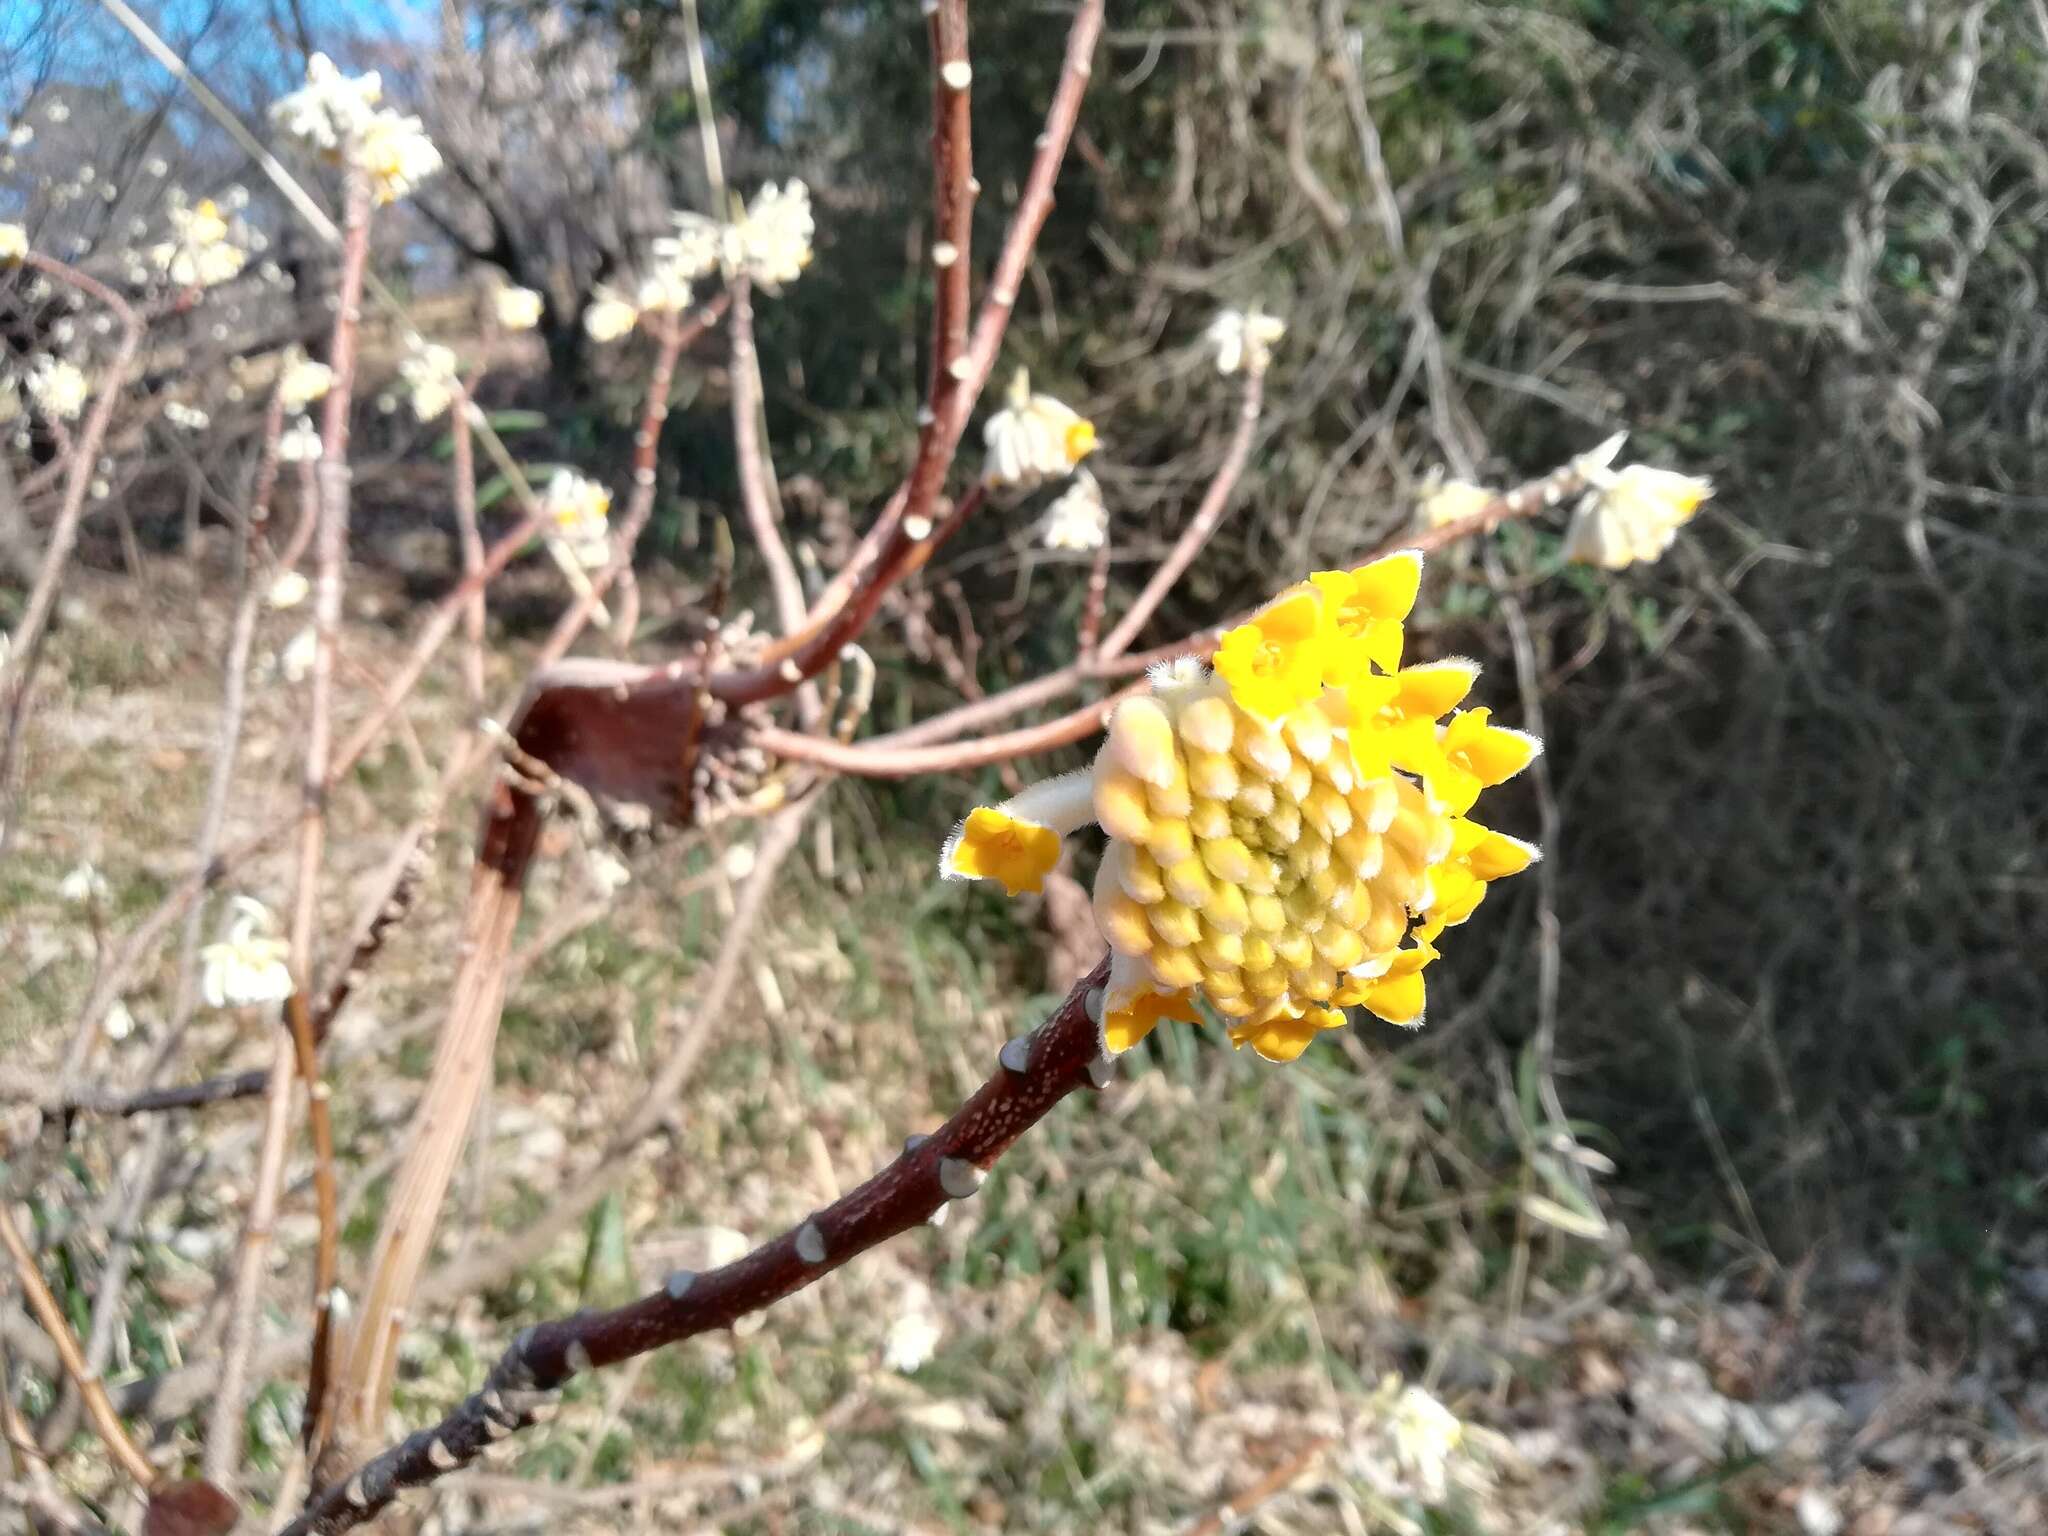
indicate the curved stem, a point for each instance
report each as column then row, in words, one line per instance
column 1215, row 502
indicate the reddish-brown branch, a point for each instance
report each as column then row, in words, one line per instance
column 327, row 1256
column 879, row 561
column 1033, row 1075
column 1215, row 502
column 675, row 337
column 953, row 193
column 905, row 554
column 330, row 551
column 878, row 762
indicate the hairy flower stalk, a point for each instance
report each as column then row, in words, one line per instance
column 1288, row 829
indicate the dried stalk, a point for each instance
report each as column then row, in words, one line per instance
column 126, row 1454
column 689, row 1039
column 1034, row 1073
column 462, row 1062
column 462, row 1059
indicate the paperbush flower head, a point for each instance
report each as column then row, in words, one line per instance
column 581, row 510
column 697, row 247
column 396, row 154
column 199, row 253
column 187, row 417
column 664, row 291
column 301, row 381
column 288, row 591
column 1632, row 514
column 330, row 110
column 1033, row 438
column 295, row 661
column 83, row 885
column 340, row 118
column 1077, row 519
column 57, row 387
column 13, row 244
column 1287, row 829
column 768, row 242
column 609, row 315
column 775, row 235
column 1446, row 501
column 517, row 309
column 429, row 374
column 300, row 442
column 248, row 964
column 1244, row 339
column 912, row 1339
column 1426, row 1437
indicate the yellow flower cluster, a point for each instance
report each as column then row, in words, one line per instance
column 1288, row 833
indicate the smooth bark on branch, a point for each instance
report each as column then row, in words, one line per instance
column 1032, row 1075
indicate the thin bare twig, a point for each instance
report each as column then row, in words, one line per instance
column 1087, row 635
column 225, row 1432
column 18, row 667
column 226, row 1426
column 331, row 558
column 1201, row 527
column 227, row 742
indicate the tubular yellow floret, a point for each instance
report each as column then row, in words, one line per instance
column 1288, row 833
